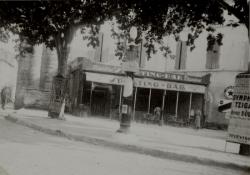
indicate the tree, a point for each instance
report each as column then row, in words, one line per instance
column 50, row 22
column 54, row 22
column 159, row 18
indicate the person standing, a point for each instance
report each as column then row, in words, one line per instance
column 198, row 119
column 157, row 113
column 5, row 93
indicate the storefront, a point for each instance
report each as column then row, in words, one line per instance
column 101, row 94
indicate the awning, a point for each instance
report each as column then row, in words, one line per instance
column 145, row 83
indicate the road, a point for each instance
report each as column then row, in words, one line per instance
column 24, row 151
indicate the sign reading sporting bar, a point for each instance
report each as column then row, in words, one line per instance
column 239, row 123
column 145, row 83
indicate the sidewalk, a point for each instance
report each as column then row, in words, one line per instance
column 186, row 144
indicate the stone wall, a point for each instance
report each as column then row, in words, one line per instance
column 34, row 79
column 48, row 68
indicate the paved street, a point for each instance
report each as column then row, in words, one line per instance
column 203, row 146
column 27, row 152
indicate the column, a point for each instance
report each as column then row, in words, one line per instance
column 120, row 101
column 149, row 101
column 176, row 106
column 190, row 105
column 134, row 103
column 162, row 107
column 90, row 101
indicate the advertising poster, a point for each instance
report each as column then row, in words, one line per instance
column 239, row 123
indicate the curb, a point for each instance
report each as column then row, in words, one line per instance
column 130, row 148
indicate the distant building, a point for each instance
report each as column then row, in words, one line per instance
column 34, row 78
column 8, row 69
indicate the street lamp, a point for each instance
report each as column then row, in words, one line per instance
column 129, row 66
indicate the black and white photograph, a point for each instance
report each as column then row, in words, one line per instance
column 124, row 87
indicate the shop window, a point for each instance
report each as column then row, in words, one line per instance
column 181, row 55
column 213, row 56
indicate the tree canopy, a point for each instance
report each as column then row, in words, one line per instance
column 54, row 22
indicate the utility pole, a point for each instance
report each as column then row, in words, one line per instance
column 129, row 66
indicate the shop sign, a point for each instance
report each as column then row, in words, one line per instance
column 168, row 85
column 163, row 75
column 145, row 83
column 239, row 123
column 105, row 78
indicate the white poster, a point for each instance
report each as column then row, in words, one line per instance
column 239, row 123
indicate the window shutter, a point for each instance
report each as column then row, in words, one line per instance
column 98, row 51
column 142, row 54
column 213, row 57
column 181, row 55
column 177, row 58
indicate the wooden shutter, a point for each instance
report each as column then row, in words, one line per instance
column 142, row 55
column 98, row 51
column 213, row 57
column 181, row 55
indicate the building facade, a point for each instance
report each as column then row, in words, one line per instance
column 99, row 89
column 222, row 63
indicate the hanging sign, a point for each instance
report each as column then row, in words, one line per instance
column 239, row 123
column 128, row 87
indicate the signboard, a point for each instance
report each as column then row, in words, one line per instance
column 224, row 105
column 239, row 123
column 128, row 87
column 163, row 75
column 145, row 83
column 130, row 66
column 124, row 109
column 168, row 85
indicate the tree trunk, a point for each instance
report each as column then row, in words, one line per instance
column 63, row 41
column 62, row 66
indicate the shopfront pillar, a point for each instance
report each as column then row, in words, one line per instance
column 176, row 106
column 134, row 103
column 120, row 100
column 90, row 100
column 190, row 105
column 162, row 107
column 127, row 104
column 149, row 100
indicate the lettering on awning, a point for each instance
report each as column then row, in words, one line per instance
column 145, row 83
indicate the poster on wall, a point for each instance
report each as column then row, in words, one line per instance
column 239, row 123
column 57, row 96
